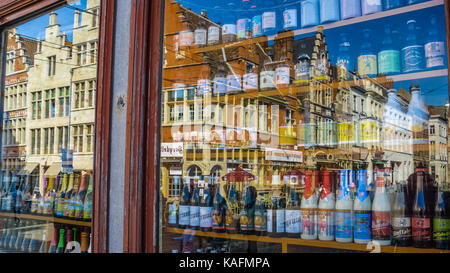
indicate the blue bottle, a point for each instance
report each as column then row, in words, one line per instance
column 413, row 2
column 389, row 56
column 309, row 14
column 392, row 4
column 329, row 11
column 434, row 46
column 412, row 52
column 350, row 9
column 269, row 18
column 370, row 6
column 290, row 15
column 256, row 18
column 344, row 60
column 367, row 60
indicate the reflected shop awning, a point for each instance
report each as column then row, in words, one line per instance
column 83, row 165
column 28, row 169
column 54, row 169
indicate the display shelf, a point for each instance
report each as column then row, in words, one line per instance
column 285, row 242
column 302, row 31
column 46, row 219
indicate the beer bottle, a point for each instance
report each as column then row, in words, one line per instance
column 421, row 220
column 220, row 207
column 381, row 212
column 206, row 208
column 261, row 215
column 79, row 203
column 194, row 214
column 362, row 211
column 344, row 206
column 401, row 219
column 441, row 223
column 54, row 242
column 275, row 214
column 84, row 242
column 87, row 204
column 61, row 242
column 326, row 206
column 232, row 217
column 309, row 209
column 247, row 215
column 59, row 200
column 74, row 196
column 184, row 205
column 293, row 214
column 68, row 196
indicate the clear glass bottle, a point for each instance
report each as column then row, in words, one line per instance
column 434, row 47
column 412, row 52
column 388, row 56
column 309, row 13
column 367, row 60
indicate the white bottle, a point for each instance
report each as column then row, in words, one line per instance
column 381, row 213
column 362, row 211
column 325, row 222
column 344, row 207
column 309, row 210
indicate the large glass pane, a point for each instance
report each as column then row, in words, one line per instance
column 316, row 126
column 46, row 178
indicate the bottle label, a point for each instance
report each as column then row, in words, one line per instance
column 233, row 83
column 194, row 216
column 268, row 20
column 412, row 58
column 280, row 218
column 260, row 220
column 267, row 79
column 257, row 25
column 367, row 65
column 282, row 75
column 290, row 18
column 269, row 220
column 184, row 217
column 381, row 226
column 350, row 8
column 389, row 61
column 203, row 87
column 326, row 222
column 250, row 81
column 242, row 26
column 229, row 29
column 401, row 227
column 217, row 221
column 79, row 210
column 421, row 229
column 309, row 221
column 434, row 54
column 220, row 85
column 362, row 195
column 213, row 35
column 371, row 6
column 343, row 224
column 441, row 229
column 206, row 217
column 186, row 38
column 243, row 220
column 60, row 211
column 362, row 220
column 200, row 36
column 293, row 221
column 309, row 13
column 87, row 209
column 173, row 214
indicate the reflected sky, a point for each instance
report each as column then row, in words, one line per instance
column 35, row 28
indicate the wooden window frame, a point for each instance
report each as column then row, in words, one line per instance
column 15, row 11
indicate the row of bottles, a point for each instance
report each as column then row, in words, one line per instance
column 350, row 213
column 256, row 18
column 67, row 195
column 392, row 57
column 413, row 56
column 33, row 236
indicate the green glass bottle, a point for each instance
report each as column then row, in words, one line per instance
column 87, row 207
column 61, row 243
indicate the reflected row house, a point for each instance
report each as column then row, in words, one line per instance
column 51, row 97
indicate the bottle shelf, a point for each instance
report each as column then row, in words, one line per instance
column 360, row 19
column 285, row 242
column 46, row 219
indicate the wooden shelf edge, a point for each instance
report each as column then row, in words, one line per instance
column 47, row 219
column 300, row 242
